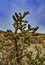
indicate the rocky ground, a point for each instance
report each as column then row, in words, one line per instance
column 6, row 46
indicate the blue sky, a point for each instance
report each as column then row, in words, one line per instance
column 35, row 7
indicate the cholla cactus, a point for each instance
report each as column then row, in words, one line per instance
column 18, row 50
column 35, row 29
column 18, row 53
column 20, row 24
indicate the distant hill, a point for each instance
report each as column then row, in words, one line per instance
column 29, row 33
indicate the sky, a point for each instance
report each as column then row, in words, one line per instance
column 35, row 18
